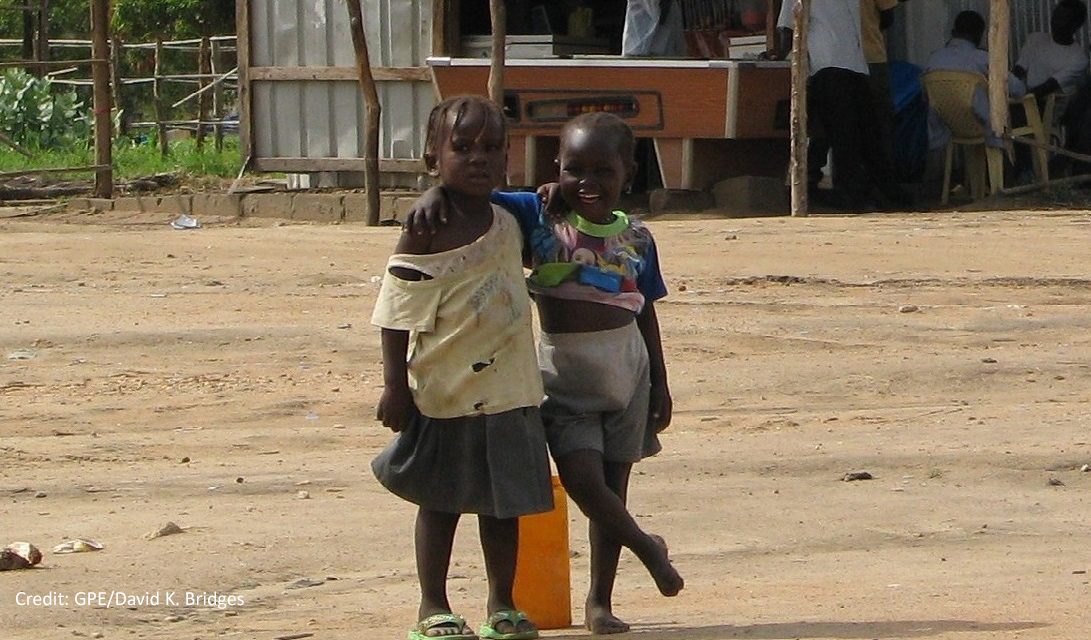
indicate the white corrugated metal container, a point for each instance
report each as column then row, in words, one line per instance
column 305, row 104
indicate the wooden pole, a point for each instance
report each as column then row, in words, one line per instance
column 242, row 55
column 373, row 108
column 203, row 68
column 28, row 33
column 34, row 172
column 1031, row 142
column 116, row 84
column 55, row 63
column 800, row 73
column 439, row 28
column 157, row 99
column 6, row 139
column 453, row 27
column 498, row 12
column 999, row 39
column 42, row 51
column 216, row 64
column 1070, row 181
column 100, row 50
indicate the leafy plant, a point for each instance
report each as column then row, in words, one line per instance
column 36, row 116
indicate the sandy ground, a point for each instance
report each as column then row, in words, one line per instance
column 207, row 377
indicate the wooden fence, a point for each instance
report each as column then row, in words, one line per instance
column 214, row 83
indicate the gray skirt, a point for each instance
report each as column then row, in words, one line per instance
column 494, row 465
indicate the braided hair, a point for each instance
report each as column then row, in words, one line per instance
column 459, row 106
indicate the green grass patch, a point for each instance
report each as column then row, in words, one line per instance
column 132, row 160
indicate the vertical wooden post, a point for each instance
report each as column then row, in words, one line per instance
column 216, row 64
column 453, row 27
column 203, row 68
column 28, row 33
column 100, row 51
column 157, row 99
column 439, row 28
column 373, row 108
column 242, row 56
column 499, row 14
column 116, row 84
column 999, row 40
column 800, row 74
column 41, row 53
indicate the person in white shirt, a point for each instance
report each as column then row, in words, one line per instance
column 841, row 102
column 1049, row 63
column 653, row 28
column 1055, row 61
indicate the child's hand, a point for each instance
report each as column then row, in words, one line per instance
column 427, row 213
column 555, row 207
column 396, row 408
column 660, row 408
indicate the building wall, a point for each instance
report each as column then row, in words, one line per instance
column 302, row 118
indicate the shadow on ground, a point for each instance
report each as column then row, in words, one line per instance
column 800, row 630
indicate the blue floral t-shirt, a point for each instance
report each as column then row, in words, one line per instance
column 615, row 264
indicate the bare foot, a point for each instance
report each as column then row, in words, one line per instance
column 601, row 621
column 666, row 577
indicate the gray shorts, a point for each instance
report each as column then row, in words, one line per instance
column 597, row 393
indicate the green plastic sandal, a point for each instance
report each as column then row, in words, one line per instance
column 489, row 632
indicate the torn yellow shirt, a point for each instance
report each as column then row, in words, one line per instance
column 471, row 347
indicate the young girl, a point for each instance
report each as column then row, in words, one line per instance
column 595, row 282
column 461, row 382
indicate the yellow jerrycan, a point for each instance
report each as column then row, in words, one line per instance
column 543, row 582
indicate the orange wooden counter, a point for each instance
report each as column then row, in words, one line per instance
column 709, row 119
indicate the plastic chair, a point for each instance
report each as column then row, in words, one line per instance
column 1036, row 128
column 951, row 94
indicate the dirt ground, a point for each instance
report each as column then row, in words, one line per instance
column 208, row 377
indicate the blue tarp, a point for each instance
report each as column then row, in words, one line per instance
column 910, row 121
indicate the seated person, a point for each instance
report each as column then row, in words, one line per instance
column 653, row 28
column 963, row 53
column 1049, row 63
column 1054, row 61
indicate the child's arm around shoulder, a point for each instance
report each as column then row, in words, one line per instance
column 526, row 208
column 430, row 211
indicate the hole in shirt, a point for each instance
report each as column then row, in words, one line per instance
column 412, row 275
column 478, row 367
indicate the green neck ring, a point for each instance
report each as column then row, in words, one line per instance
column 596, row 230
